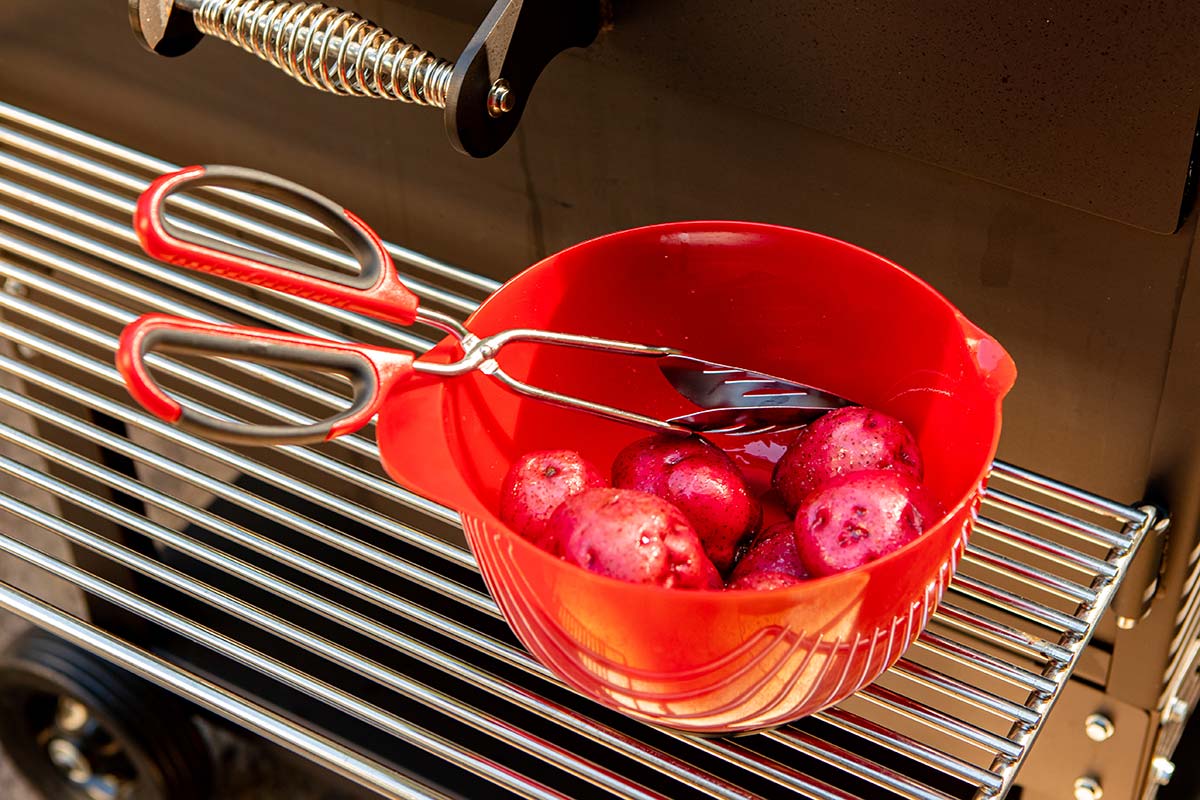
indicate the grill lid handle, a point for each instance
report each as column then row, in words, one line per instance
column 483, row 94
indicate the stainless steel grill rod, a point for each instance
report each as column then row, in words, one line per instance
column 321, row 750
column 180, row 279
column 332, row 611
column 970, row 657
column 1000, row 633
column 773, row 771
column 1086, row 501
column 327, row 693
column 228, row 457
column 156, row 166
column 1058, row 520
column 936, row 718
column 1012, row 602
column 312, row 249
column 961, row 690
column 1029, row 543
column 242, row 536
column 1031, row 576
column 806, row 743
column 919, row 751
column 979, row 737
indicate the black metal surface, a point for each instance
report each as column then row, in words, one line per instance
column 161, row 28
column 515, row 42
column 1185, row 785
column 1174, row 478
column 1066, row 754
column 1089, row 104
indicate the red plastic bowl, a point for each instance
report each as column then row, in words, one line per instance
column 773, row 299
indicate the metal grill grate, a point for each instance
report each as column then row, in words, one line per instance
column 301, row 594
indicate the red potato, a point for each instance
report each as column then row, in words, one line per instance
column 772, row 551
column 537, row 483
column 841, row 442
column 701, row 481
column 631, row 536
column 766, row 581
column 859, row 517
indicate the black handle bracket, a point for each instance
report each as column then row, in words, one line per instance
column 495, row 75
column 162, row 28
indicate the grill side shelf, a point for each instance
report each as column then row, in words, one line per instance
column 305, row 574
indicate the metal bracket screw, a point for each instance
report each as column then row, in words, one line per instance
column 1162, row 769
column 1088, row 788
column 1098, row 727
column 500, row 99
column 1177, row 710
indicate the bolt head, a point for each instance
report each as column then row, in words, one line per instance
column 1177, row 710
column 62, row 753
column 66, row 756
column 1162, row 769
column 1098, row 727
column 500, row 99
column 72, row 714
column 1088, row 788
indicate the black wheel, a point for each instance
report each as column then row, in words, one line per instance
column 80, row 728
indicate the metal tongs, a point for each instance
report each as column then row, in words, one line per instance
column 733, row 401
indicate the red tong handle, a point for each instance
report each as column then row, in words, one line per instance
column 376, row 291
column 372, row 370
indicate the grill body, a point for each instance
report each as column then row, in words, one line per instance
column 1097, row 310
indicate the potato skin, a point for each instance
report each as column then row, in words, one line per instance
column 631, row 536
column 844, row 441
column 537, row 483
column 772, row 551
column 701, row 481
column 859, row 517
